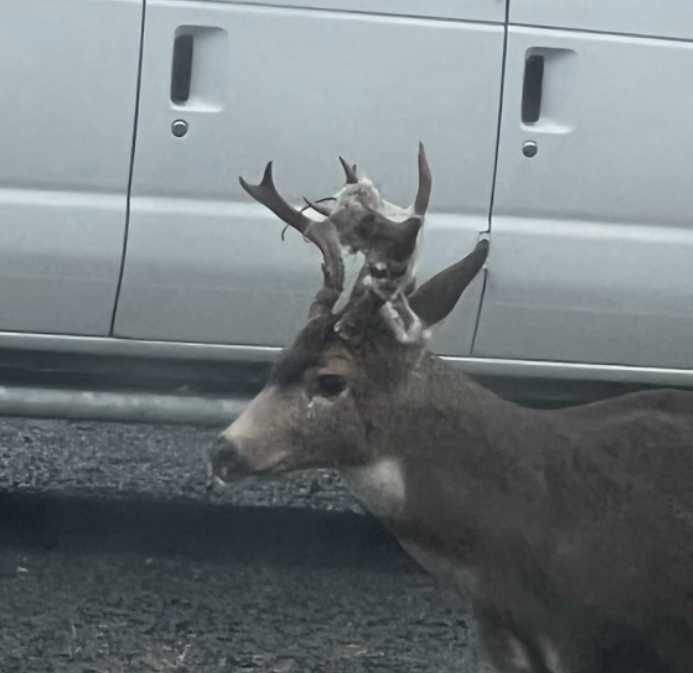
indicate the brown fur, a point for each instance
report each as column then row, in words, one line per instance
column 575, row 525
column 572, row 530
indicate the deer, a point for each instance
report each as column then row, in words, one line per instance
column 570, row 529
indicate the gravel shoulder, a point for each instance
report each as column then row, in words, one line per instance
column 159, row 462
column 114, row 557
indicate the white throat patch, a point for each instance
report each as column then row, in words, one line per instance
column 379, row 486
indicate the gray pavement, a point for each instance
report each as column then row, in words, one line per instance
column 114, row 557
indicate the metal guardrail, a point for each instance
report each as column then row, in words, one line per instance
column 135, row 407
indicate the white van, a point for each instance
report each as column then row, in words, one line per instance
column 565, row 129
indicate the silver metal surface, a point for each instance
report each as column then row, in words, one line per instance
column 530, row 149
column 121, row 407
column 179, row 128
column 249, row 354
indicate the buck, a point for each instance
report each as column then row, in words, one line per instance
column 570, row 529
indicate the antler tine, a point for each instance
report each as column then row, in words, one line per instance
column 322, row 234
column 266, row 194
column 313, row 205
column 349, row 171
column 423, row 195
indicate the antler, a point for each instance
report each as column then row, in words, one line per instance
column 349, row 172
column 313, row 205
column 390, row 248
column 361, row 220
column 322, row 234
column 423, row 194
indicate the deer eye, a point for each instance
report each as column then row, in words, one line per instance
column 330, row 385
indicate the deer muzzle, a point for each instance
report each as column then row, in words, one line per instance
column 252, row 444
column 226, row 460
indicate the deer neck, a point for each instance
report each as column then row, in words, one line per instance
column 447, row 456
column 441, row 417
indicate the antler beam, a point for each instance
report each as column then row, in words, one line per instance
column 322, row 234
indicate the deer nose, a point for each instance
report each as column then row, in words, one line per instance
column 225, row 460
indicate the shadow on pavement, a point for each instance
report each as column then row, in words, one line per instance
column 293, row 536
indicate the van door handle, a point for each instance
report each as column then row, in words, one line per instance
column 532, row 88
column 181, row 69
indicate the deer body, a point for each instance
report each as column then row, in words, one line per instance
column 571, row 530
column 564, row 525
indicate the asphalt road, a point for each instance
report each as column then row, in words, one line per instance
column 114, row 557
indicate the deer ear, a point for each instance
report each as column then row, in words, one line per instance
column 436, row 298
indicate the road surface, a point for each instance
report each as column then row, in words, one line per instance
column 114, row 558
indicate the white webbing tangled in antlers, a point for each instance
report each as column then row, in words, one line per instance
column 358, row 203
column 361, row 221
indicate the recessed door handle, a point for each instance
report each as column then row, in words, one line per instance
column 181, row 69
column 532, row 88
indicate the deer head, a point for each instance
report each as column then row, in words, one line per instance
column 572, row 529
column 320, row 405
